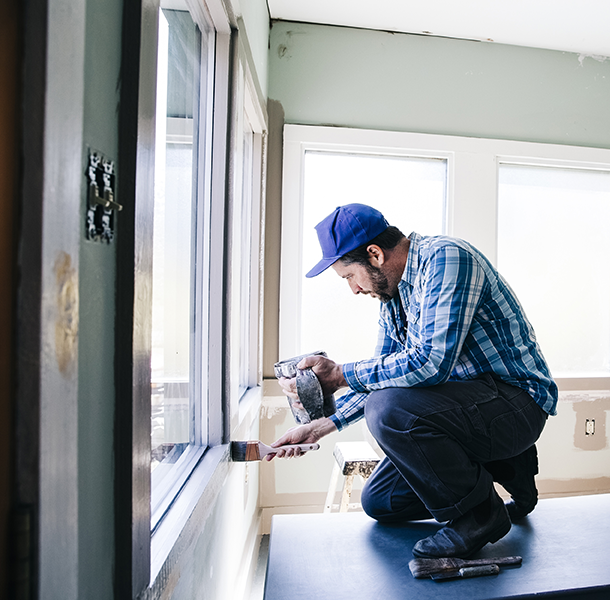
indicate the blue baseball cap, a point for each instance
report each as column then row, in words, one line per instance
column 347, row 228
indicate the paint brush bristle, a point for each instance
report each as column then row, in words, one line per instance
column 244, row 451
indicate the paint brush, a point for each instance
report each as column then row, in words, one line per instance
column 247, row 451
column 426, row 567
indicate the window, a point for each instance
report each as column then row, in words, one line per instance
column 175, row 274
column 553, row 247
column 405, row 189
column 206, row 268
column 245, row 252
column 248, row 142
column 540, row 212
column 180, row 259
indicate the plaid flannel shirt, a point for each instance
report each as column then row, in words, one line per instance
column 454, row 318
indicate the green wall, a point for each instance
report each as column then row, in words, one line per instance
column 65, row 380
column 256, row 24
column 377, row 80
column 102, row 62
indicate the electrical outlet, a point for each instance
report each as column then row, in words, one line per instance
column 590, row 423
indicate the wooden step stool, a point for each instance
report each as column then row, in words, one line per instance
column 352, row 458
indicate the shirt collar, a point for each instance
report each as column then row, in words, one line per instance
column 407, row 281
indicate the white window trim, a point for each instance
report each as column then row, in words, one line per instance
column 215, row 212
column 248, row 106
column 256, row 118
column 201, row 484
column 247, row 408
column 472, row 189
column 200, row 489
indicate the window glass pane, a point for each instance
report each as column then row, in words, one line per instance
column 554, row 249
column 246, row 262
column 410, row 192
column 175, row 385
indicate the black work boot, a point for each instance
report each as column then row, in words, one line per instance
column 516, row 476
column 487, row 522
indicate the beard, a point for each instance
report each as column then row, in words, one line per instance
column 379, row 284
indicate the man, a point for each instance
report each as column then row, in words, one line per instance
column 457, row 393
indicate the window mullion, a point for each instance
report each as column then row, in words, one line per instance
column 474, row 208
column 216, row 330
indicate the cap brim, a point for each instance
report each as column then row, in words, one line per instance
column 322, row 266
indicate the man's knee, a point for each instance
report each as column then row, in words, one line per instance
column 376, row 495
column 370, row 503
column 378, row 506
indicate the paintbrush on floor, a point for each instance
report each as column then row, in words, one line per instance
column 247, row 451
column 429, row 567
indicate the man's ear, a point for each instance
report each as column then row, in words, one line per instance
column 376, row 255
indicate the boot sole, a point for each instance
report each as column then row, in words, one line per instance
column 517, row 512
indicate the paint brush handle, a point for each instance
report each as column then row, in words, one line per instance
column 479, row 571
column 304, row 448
column 467, row 572
column 499, row 560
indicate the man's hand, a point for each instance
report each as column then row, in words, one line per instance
column 328, row 372
column 302, row 434
column 289, row 387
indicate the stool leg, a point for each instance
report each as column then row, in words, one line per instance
column 347, row 492
column 332, row 488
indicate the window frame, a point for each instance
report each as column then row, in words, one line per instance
column 472, row 180
column 170, row 487
column 247, row 108
column 145, row 562
column 211, row 149
column 205, row 469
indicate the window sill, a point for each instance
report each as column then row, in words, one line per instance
column 581, row 384
column 190, row 509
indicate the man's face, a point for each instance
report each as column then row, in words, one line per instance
column 365, row 279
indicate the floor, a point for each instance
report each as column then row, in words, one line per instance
column 565, row 545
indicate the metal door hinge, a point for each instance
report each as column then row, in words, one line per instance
column 100, row 198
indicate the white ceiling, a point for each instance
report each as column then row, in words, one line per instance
column 581, row 26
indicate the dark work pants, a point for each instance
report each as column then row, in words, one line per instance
column 437, row 439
